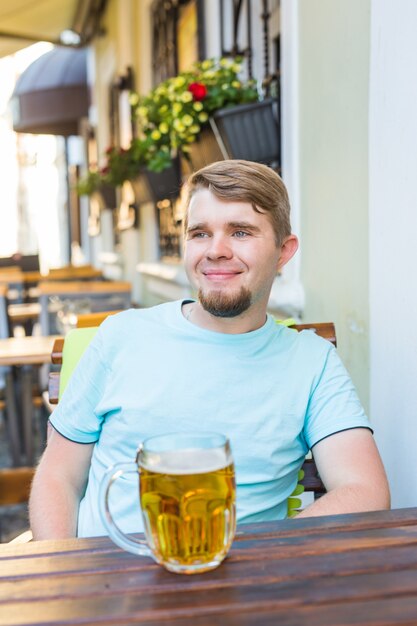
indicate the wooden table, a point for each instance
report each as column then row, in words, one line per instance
column 22, row 353
column 24, row 314
column 352, row 569
column 26, row 350
column 83, row 272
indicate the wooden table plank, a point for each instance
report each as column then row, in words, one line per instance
column 134, row 575
column 26, row 350
column 340, row 570
column 267, row 530
column 283, row 600
column 246, row 551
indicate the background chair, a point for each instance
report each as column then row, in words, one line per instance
column 13, row 278
column 26, row 262
column 97, row 296
column 86, row 320
column 15, row 485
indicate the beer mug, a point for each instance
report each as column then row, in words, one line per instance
column 187, row 498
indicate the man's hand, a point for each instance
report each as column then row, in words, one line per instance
column 58, row 487
column 352, row 472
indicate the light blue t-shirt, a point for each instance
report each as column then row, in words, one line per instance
column 274, row 392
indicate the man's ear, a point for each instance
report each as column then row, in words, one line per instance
column 288, row 248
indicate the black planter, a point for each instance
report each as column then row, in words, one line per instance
column 246, row 131
column 250, row 132
column 156, row 186
column 108, row 195
column 204, row 151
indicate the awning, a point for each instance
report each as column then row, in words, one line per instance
column 52, row 95
column 24, row 22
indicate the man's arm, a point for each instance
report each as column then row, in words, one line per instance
column 351, row 469
column 58, row 487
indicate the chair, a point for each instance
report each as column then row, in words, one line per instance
column 95, row 295
column 309, row 480
column 13, row 278
column 15, row 485
column 26, row 262
column 86, row 320
column 68, row 352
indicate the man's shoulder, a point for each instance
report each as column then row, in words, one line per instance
column 306, row 340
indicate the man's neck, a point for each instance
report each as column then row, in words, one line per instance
column 250, row 320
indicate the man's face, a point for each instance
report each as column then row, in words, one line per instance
column 231, row 256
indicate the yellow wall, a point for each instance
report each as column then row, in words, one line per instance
column 334, row 39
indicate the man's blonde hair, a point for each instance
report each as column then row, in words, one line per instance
column 246, row 181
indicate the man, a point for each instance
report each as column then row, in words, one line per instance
column 218, row 363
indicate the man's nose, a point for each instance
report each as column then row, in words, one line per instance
column 219, row 247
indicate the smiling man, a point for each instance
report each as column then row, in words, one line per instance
column 215, row 363
column 232, row 253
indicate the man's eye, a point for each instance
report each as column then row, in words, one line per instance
column 240, row 234
column 197, row 235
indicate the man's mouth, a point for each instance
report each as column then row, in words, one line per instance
column 220, row 274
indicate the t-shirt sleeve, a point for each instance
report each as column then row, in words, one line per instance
column 334, row 404
column 76, row 416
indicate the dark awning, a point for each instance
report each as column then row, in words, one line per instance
column 52, row 94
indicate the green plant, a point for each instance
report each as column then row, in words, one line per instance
column 89, row 183
column 170, row 118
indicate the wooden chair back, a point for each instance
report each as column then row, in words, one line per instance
column 311, row 480
column 86, row 320
column 26, row 262
column 13, row 278
column 15, row 483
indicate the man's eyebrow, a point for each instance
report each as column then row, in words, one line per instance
column 200, row 226
column 244, row 226
column 230, row 225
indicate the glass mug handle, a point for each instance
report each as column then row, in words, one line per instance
column 135, row 546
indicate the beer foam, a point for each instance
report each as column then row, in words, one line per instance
column 187, row 461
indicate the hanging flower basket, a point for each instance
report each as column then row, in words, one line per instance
column 202, row 152
column 108, row 194
column 249, row 131
column 246, row 131
column 155, row 186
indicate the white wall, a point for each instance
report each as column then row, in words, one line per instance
column 333, row 128
column 393, row 248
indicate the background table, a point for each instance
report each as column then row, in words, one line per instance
column 24, row 314
column 351, row 569
column 22, row 353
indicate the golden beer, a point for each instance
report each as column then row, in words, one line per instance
column 188, row 506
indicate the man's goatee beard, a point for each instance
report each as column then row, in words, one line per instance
column 225, row 305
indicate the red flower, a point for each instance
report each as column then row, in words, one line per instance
column 198, row 90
